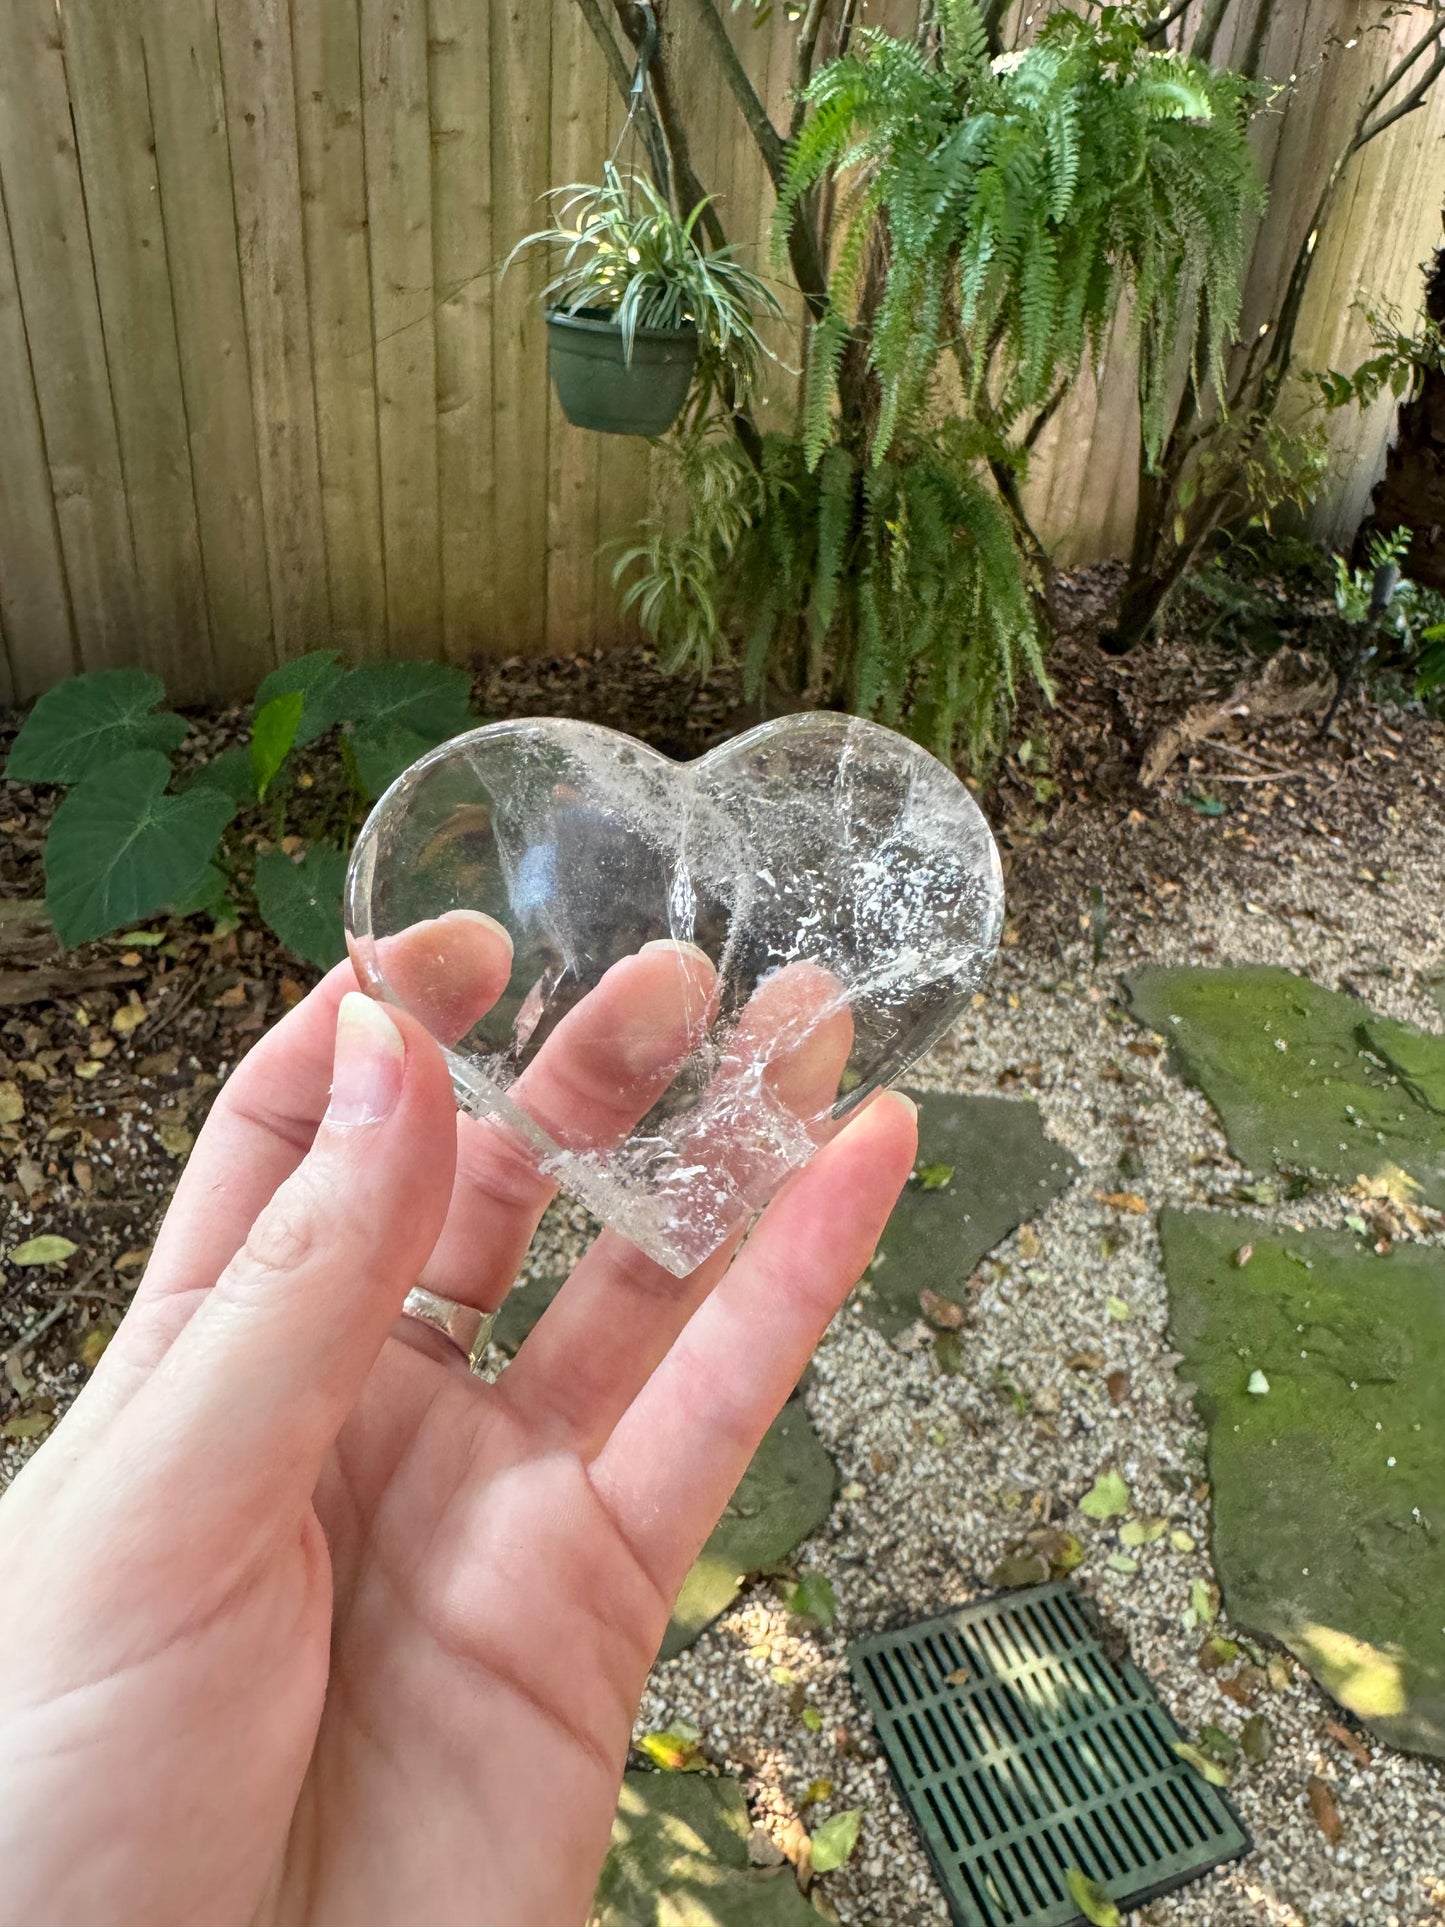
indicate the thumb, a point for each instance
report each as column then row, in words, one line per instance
column 254, row 1391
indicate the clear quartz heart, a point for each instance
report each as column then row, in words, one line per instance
column 713, row 963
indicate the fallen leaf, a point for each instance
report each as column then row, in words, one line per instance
column 1181, row 1540
column 960, row 1676
column 1281, row 1673
column 1063, row 1550
column 1201, row 1762
column 135, row 1259
column 1031, row 1245
column 44, row 1250
column 31, row 1425
column 1091, row 1899
column 177, row 1138
column 291, row 992
column 1256, row 1739
column 1219, row 1745
column 812, row 1719
column 933, row 1177
column 1142, row 1532
column 834, row 1841
column 1118, row 1385
column 1204, row 1599
column 817, row 1790
column 1351, row 1742
column 12, row 1103
column 1245, row 1687
column 1121, row 1562
column 1217, row 1652
column 948, row 1352
column 1107, row 1498
column 1087, row 1361
column 813, row 1598
column 92, row 1345
column 1123, row 1201
column 1118, row 1309
column 1326, row 1813
column 1021, row 1568
column 674, row 1748
column 129, row 1017
column 940, row 1312
column 1243, row 1256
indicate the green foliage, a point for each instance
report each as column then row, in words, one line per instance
column 300, row 899
column 121, row 847
column 896, row 587
column 1355, row 588
column 1400, row 361
column 625, row 251
column 132, row 838
column 83, row 725
column 1022, row 199
column 833, row 1842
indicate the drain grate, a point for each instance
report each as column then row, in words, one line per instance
column 1022, row 1751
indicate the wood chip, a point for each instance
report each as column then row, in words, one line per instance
column 1351, row 1742
column 1123, row 1201
column 51, row 985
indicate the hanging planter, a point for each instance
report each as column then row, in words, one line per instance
column 642, row 313
column 600, row 387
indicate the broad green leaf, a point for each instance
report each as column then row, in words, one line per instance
column 834, row 1841
column 1091, row 1899
column 120, row 848
column 813, row 1598
column 1106, row 1498
column 381, row 751
column 318, row 679
column 47, row 1249
column 429, row 697
column 230, row 773
column 272, row 737
column 83, row 725
column 301, row 901
column 208, row 893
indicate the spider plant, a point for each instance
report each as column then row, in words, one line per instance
column 626, row 254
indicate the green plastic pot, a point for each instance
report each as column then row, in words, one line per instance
column 599, row 389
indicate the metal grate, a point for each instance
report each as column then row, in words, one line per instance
column 1022, row 1751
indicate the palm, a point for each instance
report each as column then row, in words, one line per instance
column 492, row 1674
column 307, row 1624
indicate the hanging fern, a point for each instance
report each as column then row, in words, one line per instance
column 895, row 587
column 1021, row 199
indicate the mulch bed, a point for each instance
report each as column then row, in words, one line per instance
column 110, row 1056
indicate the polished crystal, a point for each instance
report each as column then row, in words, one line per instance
column 713, row 964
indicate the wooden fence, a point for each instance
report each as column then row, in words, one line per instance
column 261, row 389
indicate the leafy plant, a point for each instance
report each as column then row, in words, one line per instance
column 1022, row 198
column 133, row 836
column 895, row 587
column 626, row 252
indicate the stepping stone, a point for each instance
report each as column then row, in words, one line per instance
column 786, row 1493
column 1006, row 1170
column 1328, row 1478
column 679, row 1858
column 1295, row 1073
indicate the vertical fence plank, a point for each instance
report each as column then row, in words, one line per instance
column 581, row 86
column 326, row 51
column 521, row 171
column 193, row 168
column 34, row 606
column 464, row 259
column 40, row 178
column 261, row 118
column 105, row 63
column 397, row 119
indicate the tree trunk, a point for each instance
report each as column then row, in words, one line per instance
column 1412, row 491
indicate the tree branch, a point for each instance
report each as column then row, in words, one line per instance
column 770, row 142
column 803, row 62
column 1158, row 27
column 1401, row 67
column 1415, row 98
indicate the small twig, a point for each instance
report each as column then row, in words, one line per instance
column 1268, row 776
column 27, row 1339
column 1233, row 749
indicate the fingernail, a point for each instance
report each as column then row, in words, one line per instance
column 478, row 916
column 370, row 1058
column 676, row 943
column 902, row 1097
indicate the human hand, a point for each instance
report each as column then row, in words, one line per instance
column 299, row 1621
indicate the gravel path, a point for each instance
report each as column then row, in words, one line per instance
column 942, row 1474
